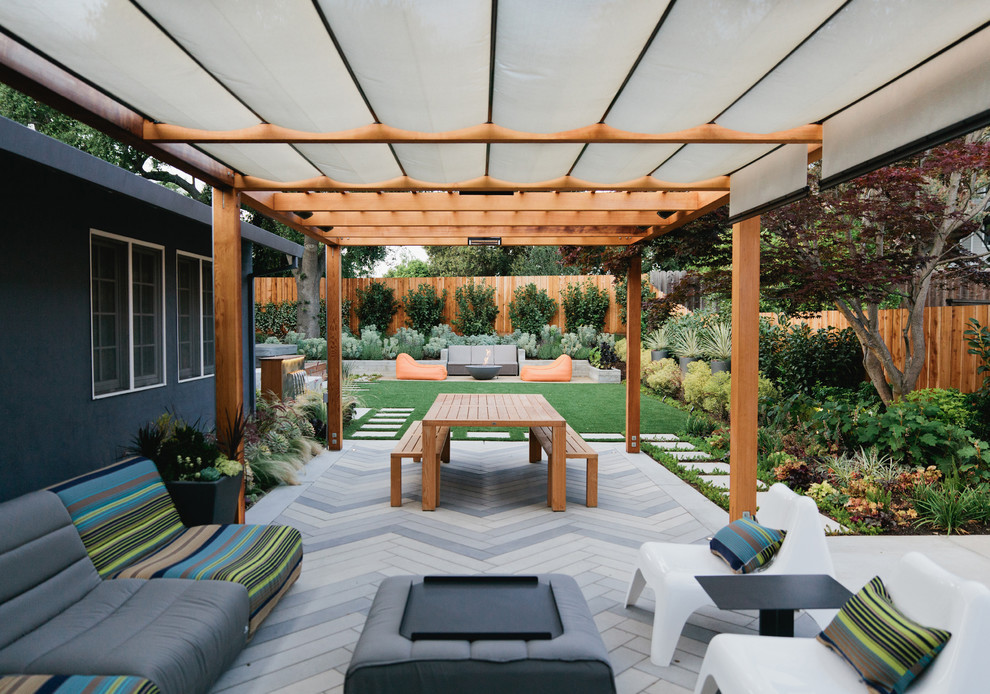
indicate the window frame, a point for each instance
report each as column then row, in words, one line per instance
column 127, row 313
column 202, row 262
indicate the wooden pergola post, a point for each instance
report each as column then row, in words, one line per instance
column 335, row 414
column 228, row 324
column 633, row 310
column 744, row 400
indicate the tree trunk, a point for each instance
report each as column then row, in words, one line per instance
column 308, row 289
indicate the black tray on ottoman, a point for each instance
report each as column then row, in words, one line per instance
column 474, row 643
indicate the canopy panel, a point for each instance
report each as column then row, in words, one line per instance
column 490, row 96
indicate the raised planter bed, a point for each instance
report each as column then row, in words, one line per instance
column 604, row 375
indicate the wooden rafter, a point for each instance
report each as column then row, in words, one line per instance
column 679, row 219
column 262, row 202
column 536, row 201
column 499, row 218
column 482, row 183
column 459, row 238
column 485, row 133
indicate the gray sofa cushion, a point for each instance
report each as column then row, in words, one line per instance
column 459, row 356
column 43, row 564
column 180, row 634
column 384, row 662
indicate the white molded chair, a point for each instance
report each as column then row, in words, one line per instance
column 925, row 592
column 669, row 568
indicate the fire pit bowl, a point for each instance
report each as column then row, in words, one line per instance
column 483, row 372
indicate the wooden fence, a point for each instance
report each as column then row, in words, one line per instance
column 947, row 364
column 279, row 289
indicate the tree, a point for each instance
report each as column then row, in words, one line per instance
column 881, row 240
column 540, row 260
column 360, row 261
column 46, row 120
column 471, row 261
column 410, row 267
column 885, row 237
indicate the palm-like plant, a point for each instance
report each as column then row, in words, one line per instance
column 687, row 343
column 658, row 339
column 717, row 341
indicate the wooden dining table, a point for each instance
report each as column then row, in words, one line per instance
column 494, row 410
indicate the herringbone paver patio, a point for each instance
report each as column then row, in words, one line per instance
column 493, row 518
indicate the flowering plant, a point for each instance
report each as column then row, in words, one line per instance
column 182, row 452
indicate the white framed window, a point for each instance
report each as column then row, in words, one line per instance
column 194, row 304
column 128, row 314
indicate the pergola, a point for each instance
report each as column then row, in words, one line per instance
column 536, row 122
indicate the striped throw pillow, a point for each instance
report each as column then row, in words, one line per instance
column 887, row 649
column 745, row 545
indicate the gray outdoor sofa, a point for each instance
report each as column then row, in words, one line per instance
column 457, row 357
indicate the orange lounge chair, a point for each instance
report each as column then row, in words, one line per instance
column 407, row 369
column 558, row 370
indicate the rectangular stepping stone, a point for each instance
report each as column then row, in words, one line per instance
column 674, row 445
column 603, row 437
column 658, row 437
column 717, row 480
column 488, row 435
column 386, row 420
column 361, row 411
column 707, row 468
column 396, row 409
column 393, row 427
column 373, row 435
column 690, row 455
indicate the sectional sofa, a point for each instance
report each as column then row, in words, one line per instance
column 102, row 586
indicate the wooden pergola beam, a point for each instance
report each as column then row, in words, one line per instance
column 261, row 201
column 36, row 76
column 519, row 202
column 480, row 184
column 379, row 133
column 478, row 219
column 462, row 240
column 679, row 219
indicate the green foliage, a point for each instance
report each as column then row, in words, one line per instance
column 376, row 306
column 411, row 267
column 797, row 359
column 314, row 348
column 531, row 308
column 698, row 423
column 471, row 261
column 278, row 440
column 588, row 335
column 182, row 451
column 949, row 506
column 658, row 339
column 953, row 406
column 646, row 296
column 549, row 350
column 275, row 319
column 713, row 492
column 716, row 341
column 524, row 341
column 711, row 392
column 978, row 339
column 350, row 346
column 360, row 261
column 603, row 356
column 663, row 376
column 540, row 260
column 371, row 343
column 686, row 342
column 409, row 341
column 424, row 309
column 570, row 343
column 476, row 309
column 587, row 305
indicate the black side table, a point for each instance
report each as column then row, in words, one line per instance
column 776, row 596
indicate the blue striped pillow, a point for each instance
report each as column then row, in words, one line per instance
column 745, row 545
column 887, row 649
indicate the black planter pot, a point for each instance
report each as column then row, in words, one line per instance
column 684, row 361
column 719, row 365
column 206, row 503
column 658, row 354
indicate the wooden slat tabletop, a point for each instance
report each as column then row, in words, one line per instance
column 492, row 409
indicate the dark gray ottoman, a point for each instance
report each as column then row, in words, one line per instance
column 385, row 662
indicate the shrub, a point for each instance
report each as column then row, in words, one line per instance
column 531, row 308
column 711, row 393
column 588, row 335
column 275, row 319
column 376, row 306
column 603, row 356
column 549, row 350
column 698, row 423
column 524, row 341
column 409, row 341
column 350, row 346
column 953, row 406
column 314, row 348
column 587, row 306
column 647, row 297
column 424, row 309
column 663, row 376
column 570, row 343
column 949, row 506
column 476, row 309
column 797, row 359
column 371, row 343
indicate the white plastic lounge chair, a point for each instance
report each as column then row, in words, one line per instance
column 923, row 591
column 669, row 568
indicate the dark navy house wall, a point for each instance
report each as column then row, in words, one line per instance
column 51, row 428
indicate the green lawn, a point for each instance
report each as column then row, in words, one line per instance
column 588, row 407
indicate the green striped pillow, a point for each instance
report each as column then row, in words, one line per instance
column 745, row 545
column 887, row 649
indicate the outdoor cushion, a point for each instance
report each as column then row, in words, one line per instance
column 122, row 512
column 179, row 634
column 886, row 648
column 408, row 369
column 745, row 545
column 459, row 354
column 76, row 684
column 266, row 559
column 131, row 529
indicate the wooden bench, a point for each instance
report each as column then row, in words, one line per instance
column 541, row 439
column 410, row 447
